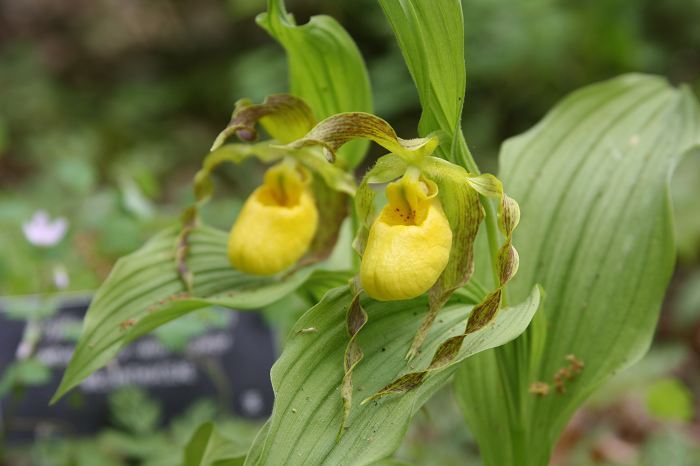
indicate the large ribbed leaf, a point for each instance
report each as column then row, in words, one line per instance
column 597, row 233
column 325, row 68
column 307, row 378
column 144, row 290
column 431, row 36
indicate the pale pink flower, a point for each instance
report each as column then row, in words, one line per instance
column 40, row 231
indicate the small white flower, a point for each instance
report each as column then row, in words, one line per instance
column 40, row 231
column 60, row 277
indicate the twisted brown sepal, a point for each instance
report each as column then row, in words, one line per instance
column 507, row 262
column 402, row 384
column 481, row 316
column 485, row 312
column 338, row 129
column 284, row 116
column 189, row 219
column 356, row 319
column 354, row 284
column 444, row 355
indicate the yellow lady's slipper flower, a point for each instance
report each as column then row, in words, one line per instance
column 277, row 222
column 409, row 243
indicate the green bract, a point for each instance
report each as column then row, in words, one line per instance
column 325, row 68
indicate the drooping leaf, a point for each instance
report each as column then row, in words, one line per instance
column 596, row 231
column 307, row 378
column 325, row 68
column 144, row 291
column 208, row 447
column 431, row 36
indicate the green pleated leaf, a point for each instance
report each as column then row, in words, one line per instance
column 392, row 462
column 308, row 376
column 144, row 291
column 325, row 67
column 597, row 232
column 431, row 36
column 208, row 447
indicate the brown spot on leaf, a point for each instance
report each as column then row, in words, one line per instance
column 126, row 324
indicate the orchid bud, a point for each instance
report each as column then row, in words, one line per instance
column 277, row 222
column 409, row 243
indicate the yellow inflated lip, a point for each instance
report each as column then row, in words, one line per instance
column 275, row 226
column 409, row 243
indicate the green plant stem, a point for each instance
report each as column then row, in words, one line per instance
column 461, row 154
column 218, row 377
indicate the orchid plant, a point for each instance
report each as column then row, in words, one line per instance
column 596, row 235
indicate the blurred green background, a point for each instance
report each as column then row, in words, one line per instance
column 108, row 107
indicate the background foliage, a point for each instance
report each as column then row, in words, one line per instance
column 107, row 108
